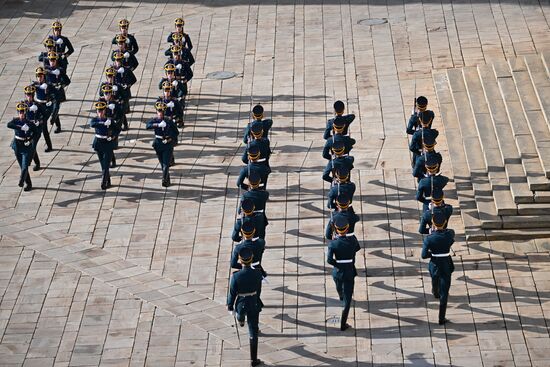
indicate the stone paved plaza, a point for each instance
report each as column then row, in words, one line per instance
column 137, row 275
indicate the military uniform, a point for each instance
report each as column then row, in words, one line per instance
column 414, row 123
column 335, row 139
column 125, row 78
column 183, row 71
column 243, row 298
column 437, row 248
column 247, row 214
column 63, row 46
column 129, row 61
column 44, row 97
column 185, row 39
column 23, row 143
column 35, row 113
column 341, row 255
column 350, row 216
column 263, row 148
column 166, row 134
column 259, row 168
column 115, row 113
column 336, row 163
column 339, row 120
column 131, row 43
column 425, row 132
column 419, row 170
column 103, row 143
column 266, row 124
column 437, row 205
column 56, row 76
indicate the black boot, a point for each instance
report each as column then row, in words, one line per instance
column 343, row 321
column 113, row 161
column 254, row 361
column 125, row 126
column 165, row 178
column 28, row 181
column 57, row 125
column 104, row 181
column 36, row 162
column 442, row 312
column 435, row 290
column 172, row 161
column 47, row 138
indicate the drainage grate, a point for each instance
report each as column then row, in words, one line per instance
column 221, row 75
column 372, row 21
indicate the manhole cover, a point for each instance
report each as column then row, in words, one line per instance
column 221, row 75
column 372, row 21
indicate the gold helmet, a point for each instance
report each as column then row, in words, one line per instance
column 48, row 42
column 30, row 89
column 57, row 25
column 39, row 71
column 175, row 49
column 341, row 225
column 179, row 22
column 52, row 55
column 117, row 55
column 123, row 23
column 100, row 105
column 166, row 86
column 110, row 71
column 160, row 106
column 169, row 67
column 21, row 106
column 107, row 88
column 120, row 38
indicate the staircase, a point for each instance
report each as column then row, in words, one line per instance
column 497, row 123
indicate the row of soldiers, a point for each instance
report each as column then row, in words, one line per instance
column 339, row 231
column 115, row 94
column 426, row 164
column 243, row 300
column 43, row 98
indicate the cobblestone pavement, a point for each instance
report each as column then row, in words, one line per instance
column 138, row 275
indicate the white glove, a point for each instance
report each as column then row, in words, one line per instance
column 63, row 56
column 126, row 55
column 265, row 281
column 162, row 124
column 170, row 104
column 56, row 72
column 120, row 70
column 175, row 83
column 107, row 122
column 49, row 103
column 127, row 41
column 43, row 86
column 25, row 128
column 178, row 66
column 231, row 313
column 33, row 108
column 115, row 88
column 111, row 106
column 59, row 41
column 430, row 206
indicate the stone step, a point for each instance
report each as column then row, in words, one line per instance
column 541, row 82
column 524, row 175
column 508, row 234
column 532, row 111
column 525, row 221
column 507, row 190
column 534, row 209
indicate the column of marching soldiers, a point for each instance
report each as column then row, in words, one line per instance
column 45, row 95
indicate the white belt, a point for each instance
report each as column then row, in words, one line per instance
column 350, row 234
column 159, row 137
column 441, row 255
column 346, row 261
column 255, row 264
column 20, row 138
column 259, row 211
column 247, row 294
column 101, row 136
column 260, row 160
column 39, row 100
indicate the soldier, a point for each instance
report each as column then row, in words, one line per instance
column 119, row 94
column 437, row 248
column 243, row 297
column 341, row 255
column 256, row 131
column 428, row 143
column 49, row 44
column 23, row 143
column 131, row 43
column 166, row 132
column 257, row 115
column 57, row 77
column 253, row 155
column 186, row 41
column 125, row 78
column 179, row 90
column 428, row 184
column 183, row 71
column 44, row 96
column 247, row 214
column 421, row 104
column 425, row 132
column 63, row 46
column 340, row 185
column 174, row 110
column 340, row 119
column 335, row 139
column 257, row 193
column 103, row 143
column 256, row 244
column 129, row 60
column 339, row 160
column 343, row 209
column 437, row 205
column 35, row 114
column 113, row 112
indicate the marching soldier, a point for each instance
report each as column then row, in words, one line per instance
column 113, row 112
column 244, row 299
column 257, row 193
column 437, row 205
column 131, row 43
column 428, row 143
column 129, row 60
column 186, row 41
column 125, row 78
column 57, row 77
column 183, row 71
column 23, row 143
column 432, row 181
column 341, row 185
column 436, row 247
column 103, row 143
column 44, row 96
column 49, row 44
column 63, row 46
column 343, row 209
column 340, row 120
column 339, row 160
column 174, row 110
column 257, row 115
column 119, row 94
column 166, row 133
column 35, row 114
column 179, row 89
column 256, row 244
column 256, row 131
column 421, row 105
column 336, row 139
column 254, row 165
column 247, row 214
column 341, row 255
column 425, row 132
